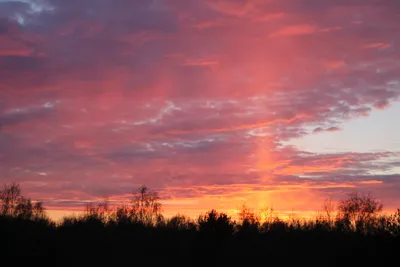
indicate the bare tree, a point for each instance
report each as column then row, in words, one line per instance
column 100, row 212
column 13, row 204
column 39, row 210
column 359, row 210
column 248, row 216
column 123, row 214
column 146, row 205
column 24, row 208
column 329, row 209
column 9, row 197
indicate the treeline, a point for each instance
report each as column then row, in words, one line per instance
column 354, row 232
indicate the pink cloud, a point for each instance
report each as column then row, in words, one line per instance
column 295, row 30
column 377, row 46
column 210, row 24
column 269, row 17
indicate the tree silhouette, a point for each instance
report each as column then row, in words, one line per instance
column 9, row 197
column 123, row 215
column 250, row 221
column 146, row 206
column 329, row 209
column 100, row 212
column 217, row 224
column 180, row 222
column 13, row 204
column 359, row 210
column 248, row 216
column 107, row 235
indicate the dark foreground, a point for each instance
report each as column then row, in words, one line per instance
column 354, row 233
column 216, row 243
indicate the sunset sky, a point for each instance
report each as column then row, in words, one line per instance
column 212, row 103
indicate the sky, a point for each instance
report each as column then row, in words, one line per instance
column 212, row 103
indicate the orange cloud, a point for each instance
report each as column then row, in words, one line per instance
column 371, row 182
column 295, row 30
column 377, row 46
column 334, row 64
